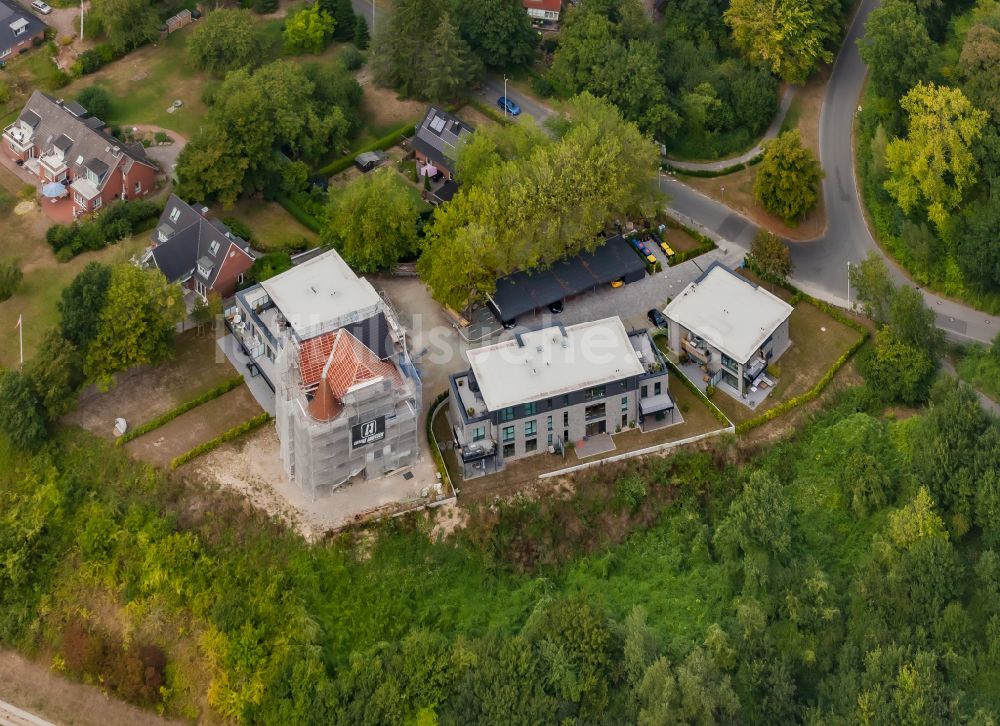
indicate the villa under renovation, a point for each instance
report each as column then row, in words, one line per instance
column 347, row 396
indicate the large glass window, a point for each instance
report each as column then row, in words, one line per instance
column 507, row 414
column 729, row 363
column 530, row 427
column 479, row 433
column 595, row 392
column 530, row 445
column 548, row 424
column 624, row 403
column 657, row 388
column 594, row 411
column 530, row 409
column 508, row 433
column 508, row 450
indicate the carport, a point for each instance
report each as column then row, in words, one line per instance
column 526, row 291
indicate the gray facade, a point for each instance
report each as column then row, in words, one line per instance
column 486, row 439
column 738, row 375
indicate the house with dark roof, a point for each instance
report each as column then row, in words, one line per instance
column 197, row 251
column 18, row 29
column 59, row 141
column 437, row 140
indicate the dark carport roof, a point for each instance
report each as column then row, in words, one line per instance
column 523, row 292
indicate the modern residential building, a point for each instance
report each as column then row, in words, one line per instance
column 550, row 387
column 729, row 325
column 198, row 251
column 347, row 396
column 58, row 141
column 19, row 29
column 543, row 13
column 438, row 139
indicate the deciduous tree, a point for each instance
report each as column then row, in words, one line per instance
column 96, row 100
column 978, row 63
column 933, row 166
column 127, row 23
column 788, row 178
column 81, row 303
column 308, row 31
column 10, row 278
column 498, row 31
column 771, row 256
column 136, row 323
column 873, row 287
column 373, row 221
column 897, row 371
column 974, row 240
column 22, row 415
column 789, row 37
column 342, row 13
column 896, row 48
column 225, row 40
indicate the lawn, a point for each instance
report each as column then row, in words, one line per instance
column 817, row 342
column 274, row 229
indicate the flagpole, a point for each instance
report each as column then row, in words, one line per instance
column 20, row 338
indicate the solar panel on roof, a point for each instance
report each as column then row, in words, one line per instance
column 437, row 124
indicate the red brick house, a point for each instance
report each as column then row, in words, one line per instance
column 19, row 29
column 437, row 140
column 199, row 252
column 59, row 141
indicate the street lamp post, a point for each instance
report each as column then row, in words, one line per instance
column 848, row 284
column 505, row 96
column 723, row 187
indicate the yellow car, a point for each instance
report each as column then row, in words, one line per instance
column 617, row 283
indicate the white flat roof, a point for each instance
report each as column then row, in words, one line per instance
column 321, row 295
column 731, row 313
column 547, row 362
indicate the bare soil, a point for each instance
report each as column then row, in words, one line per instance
column 33, row 687
column 144, row 393
column 198, row 425
column 382, row 109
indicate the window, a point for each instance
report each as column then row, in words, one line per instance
column 565, row 418
column 565, row 400
column 175, row 214
column 729, row 363
column 508, row 450
column 213, row 248
column 530, row 445
column 507, row 414
column 138, row 187
column 548, row 424
column 240, row 278
column 656, row 388
column 97, row 202
column 643, row 392
column 624, row 403
column 478, row 433
column 624, row 421
column 508, row 433
column 550, row 440
column 530, row 409
column 530, row 427
column 548, row 402
column 594, row 411
column 595, row 392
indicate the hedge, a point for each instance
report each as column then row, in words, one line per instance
column 435, row 447
column 712, row 173
column 489, row 111
column 173, row 413
column 293, row 208
column 809, row 395
column 233, row 433
column 716, row 411
column 387, row 141
column 707, row 243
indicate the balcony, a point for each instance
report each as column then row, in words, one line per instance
column 18, row 137
column 54, row 166
column 471, row 402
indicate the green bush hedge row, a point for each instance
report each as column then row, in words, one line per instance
column 293, row 208
column 707, row 243
column 712, row 173
column 173, row 413
column 387, row 141
column 809, row 395
column 233, row 433
column 716, row 411
column 435, row 447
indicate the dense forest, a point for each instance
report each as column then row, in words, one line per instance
column 849, row 574
column 929, row 142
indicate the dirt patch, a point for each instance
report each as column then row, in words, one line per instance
column 474, row 117
column 144, row 393
column 33, row 687
column 198, row 425
column 679, row 240
column 383, row 110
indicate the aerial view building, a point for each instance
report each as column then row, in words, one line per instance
column 347, row 396
column 550, row 387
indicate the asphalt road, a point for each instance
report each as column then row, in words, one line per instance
column 821, row 264
column 492, row 88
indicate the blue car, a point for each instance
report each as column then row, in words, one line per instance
column 508, row 105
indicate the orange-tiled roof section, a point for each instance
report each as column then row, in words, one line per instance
column 349, row 363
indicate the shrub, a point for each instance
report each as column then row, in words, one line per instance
column 161, row 137
column 390, row 139
column 83, row 650
column 27, row 193
column 709, row 391
column 630, row 493
column 4, row 92
column 10, row 278
column 240, row 229
column 173, row 413
column 351, row 57
column 116, row 222
column 96, row 100
column 230, row 435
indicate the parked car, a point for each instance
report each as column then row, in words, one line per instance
column 368, row 160
column 508, row 105
column 657, row 318
column 556, row 307
column 617, row 283
column 41, row 7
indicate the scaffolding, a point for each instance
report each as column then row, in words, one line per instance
column 321, row 455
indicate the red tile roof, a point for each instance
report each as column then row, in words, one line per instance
column 348, row 363
column 551, row 5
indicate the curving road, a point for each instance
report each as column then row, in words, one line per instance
column 821, row 264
